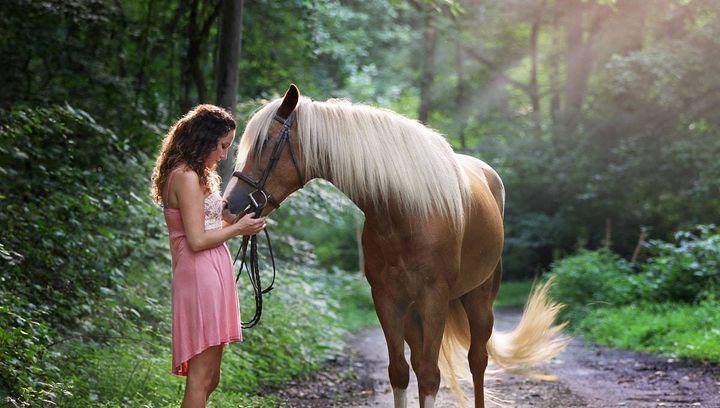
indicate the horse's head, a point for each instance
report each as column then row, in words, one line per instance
column 273, row 168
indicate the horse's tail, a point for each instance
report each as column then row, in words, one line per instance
column 533, row 341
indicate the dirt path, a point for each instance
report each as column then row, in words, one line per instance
column 588, row 376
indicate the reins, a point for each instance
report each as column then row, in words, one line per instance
column 259, row 198
column 253, row 271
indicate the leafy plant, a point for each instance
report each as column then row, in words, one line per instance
column 685, row 269
column 590, row 280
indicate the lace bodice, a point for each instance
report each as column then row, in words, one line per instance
column 213, row 211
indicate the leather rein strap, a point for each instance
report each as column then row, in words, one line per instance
column 259, row 198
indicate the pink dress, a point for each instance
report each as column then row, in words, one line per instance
column 205, row 308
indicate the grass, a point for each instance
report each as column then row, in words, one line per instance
column 679, row 330
column 513, row 294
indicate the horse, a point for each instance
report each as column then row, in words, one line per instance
column 431, row 242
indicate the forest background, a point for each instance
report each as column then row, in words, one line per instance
column 600, row 116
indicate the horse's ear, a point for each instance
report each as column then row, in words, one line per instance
column 290, row 100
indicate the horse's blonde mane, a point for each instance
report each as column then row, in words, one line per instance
column 372, row 155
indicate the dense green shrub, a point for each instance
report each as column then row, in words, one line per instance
column 24, row 370
column 669, row 306
column 71, row 218
column 681, row 271
column 685, row 269
column 71, row 227
column 592, row 279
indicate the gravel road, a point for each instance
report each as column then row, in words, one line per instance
column 588, row 376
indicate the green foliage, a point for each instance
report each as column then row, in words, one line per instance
column 679, row 330
column 70, row 216
column 85, row 308
column 322, row 46
column 591, row 280
column 24, row 370
column 683, row 271
column 609, row 303
column 639, row 148
column 686, row 269
column 354, row 300
column 93, row 54
column 321, row 214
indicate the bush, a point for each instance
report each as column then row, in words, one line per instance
column 70, row 229
column 24, row 370
column 670, row 306
column 591, row 279
column 684, row 270
column 70, row 219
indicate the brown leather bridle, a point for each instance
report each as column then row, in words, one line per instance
column 259, row 198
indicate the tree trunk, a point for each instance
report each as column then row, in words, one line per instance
column 582, row 25
column 194, row 53
column 533, row 88
column 197, row 32
column 428, row 69
column 632, row 15
column 555, row 88
column 144, row 45
column 460, row 111
column 576, row 62
column 229, row 53
column 190, row 60
column 228, row 66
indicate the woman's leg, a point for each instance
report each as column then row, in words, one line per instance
column 203, row 377
column 216, row 374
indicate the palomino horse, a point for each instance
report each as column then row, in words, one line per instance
column 432, row 238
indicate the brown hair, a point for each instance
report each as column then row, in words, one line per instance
column 189, row 142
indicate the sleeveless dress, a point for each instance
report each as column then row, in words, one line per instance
column 205, row 309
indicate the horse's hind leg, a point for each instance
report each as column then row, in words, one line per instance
column 391, row 316
column 432, row 308
column 478, row 307
column 413, row 337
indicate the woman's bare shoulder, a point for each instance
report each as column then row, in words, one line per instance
column 187, row 173
column 187, row 178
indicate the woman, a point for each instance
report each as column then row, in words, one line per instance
column 204, row 298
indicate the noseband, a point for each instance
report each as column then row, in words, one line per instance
column 260, row 197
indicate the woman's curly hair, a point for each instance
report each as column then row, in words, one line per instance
column 189, row 142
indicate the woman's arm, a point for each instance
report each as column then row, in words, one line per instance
column 191, row 203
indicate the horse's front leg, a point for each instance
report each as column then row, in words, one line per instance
column 432, row 309
column 391, row 317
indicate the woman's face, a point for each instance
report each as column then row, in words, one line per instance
column 221, row 150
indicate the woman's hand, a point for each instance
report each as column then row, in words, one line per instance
column 247, row 225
